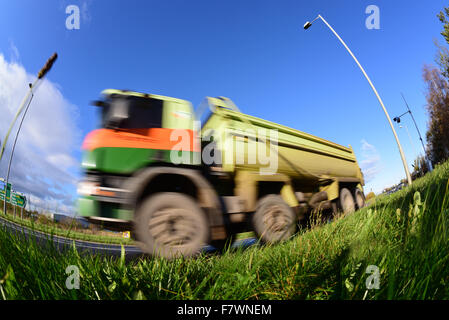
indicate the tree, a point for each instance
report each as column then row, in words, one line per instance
column 437, row 97
column 443, row 53
column 420, row 167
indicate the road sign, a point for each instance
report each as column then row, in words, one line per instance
column 8, row 192
column 15, row 198
column 18, row 200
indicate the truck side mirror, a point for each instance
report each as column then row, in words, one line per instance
column 97, row 103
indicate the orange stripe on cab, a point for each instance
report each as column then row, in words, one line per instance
column 153, row 138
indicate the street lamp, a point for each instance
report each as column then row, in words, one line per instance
column 307, row 25
column 398, row 120
column 29, row 96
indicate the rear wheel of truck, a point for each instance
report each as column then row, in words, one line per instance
column 170, row 225
column 274, row 221
column 346, row 201
column 359, row 198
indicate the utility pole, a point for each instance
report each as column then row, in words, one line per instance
column 398, row 120
column 40, row 76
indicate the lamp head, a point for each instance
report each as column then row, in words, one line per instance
column 397, row 119
column 307, row 25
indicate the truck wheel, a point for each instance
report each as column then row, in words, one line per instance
column 170, row 225
column 359, row 198
column 346, row 201
column 273, row 221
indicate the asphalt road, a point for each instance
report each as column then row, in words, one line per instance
column 95, row 248
column 62, row 243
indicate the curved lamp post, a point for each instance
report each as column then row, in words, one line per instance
column 32, row 86
column 404, row 162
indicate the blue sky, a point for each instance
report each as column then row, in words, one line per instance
column 254, row 52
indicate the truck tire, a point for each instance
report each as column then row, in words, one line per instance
column 274, row 221
column 346, row 201
column 170, row 225
column 359, row 198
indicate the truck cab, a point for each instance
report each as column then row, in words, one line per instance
column 137, row 131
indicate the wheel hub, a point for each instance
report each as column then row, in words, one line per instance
column 275, row 220
column 172, row 227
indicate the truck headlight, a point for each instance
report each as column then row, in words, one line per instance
column 87, row 188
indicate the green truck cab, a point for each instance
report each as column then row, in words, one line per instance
column 179, row 185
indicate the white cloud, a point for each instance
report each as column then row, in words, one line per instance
column 43, row 163
column 62, row 160
column 14, row 52
column 370, row 163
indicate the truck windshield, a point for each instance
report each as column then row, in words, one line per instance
column 128, row 112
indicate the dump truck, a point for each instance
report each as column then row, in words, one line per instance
column 182, row 180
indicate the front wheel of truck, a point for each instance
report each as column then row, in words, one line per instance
column 274, row 221
column 171, row 225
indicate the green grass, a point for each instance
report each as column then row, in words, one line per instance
column 66, row 232
column 405, row 235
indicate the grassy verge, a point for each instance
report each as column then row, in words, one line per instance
column 67, row 233
column 404, row 235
